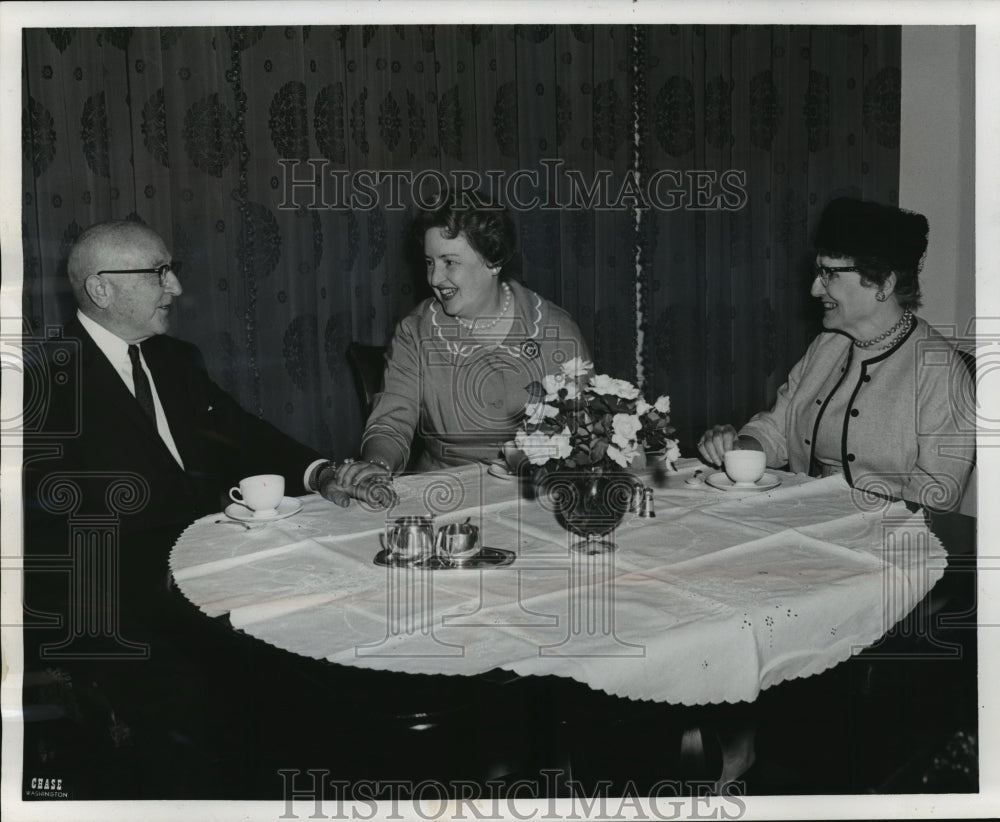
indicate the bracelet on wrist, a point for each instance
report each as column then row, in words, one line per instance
column 328, row 465
column 381, row 463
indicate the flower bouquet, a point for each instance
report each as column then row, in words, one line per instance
column 597, row 423
column 581, row 432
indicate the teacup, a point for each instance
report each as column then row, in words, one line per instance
column 744, row 467
column 513, row 456
column 261, row 493
column 410, row 538
column 457, row 542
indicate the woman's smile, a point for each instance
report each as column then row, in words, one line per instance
column 463, row 282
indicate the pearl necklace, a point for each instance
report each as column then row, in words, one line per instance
column 903, row 324
column 484, row 325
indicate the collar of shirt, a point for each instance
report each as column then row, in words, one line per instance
column 113, row 347
column 116, row 350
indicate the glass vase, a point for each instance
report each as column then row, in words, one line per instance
column 589, row 503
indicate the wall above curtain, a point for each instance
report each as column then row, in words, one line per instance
column 201, row 132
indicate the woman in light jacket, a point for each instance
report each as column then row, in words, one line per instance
column 880, row 396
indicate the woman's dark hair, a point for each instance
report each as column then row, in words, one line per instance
column 488, row 228
column 881, row 240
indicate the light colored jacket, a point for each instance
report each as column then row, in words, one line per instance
column 909, row 429
column 464, row 398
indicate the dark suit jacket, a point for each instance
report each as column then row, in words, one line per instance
column 99, row 427
column 93, row 460
column 104, row 503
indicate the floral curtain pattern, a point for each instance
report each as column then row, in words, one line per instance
column 806, row 113
column 240, row 146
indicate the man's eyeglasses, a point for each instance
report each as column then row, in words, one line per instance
column 160, row 271
column 828, row 272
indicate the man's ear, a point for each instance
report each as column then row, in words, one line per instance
column 97, row 289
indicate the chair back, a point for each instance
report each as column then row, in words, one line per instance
column 367, row 363
column 970, row 496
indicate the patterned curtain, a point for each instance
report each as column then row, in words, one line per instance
column 244, row 147
column 801, row 114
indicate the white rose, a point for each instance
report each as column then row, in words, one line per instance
column 625, row 427
column 560, row 442
column 539, row 448
column 602, row 384
column 673, row 451
column 552, row 383
column 623, row 456
column 534, row 446
column 625, row 390
column 662, row 404
column 618, row 456
column 576, row 368
column 642, row 407
column 538, row 411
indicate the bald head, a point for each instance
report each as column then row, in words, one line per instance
column 104, row 246
column 102, row 270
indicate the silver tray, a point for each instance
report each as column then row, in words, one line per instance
column 485, row 558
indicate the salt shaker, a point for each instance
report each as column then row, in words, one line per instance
column 646, row 508
column 638, row 495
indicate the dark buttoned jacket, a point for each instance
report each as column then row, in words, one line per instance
column 91, row 451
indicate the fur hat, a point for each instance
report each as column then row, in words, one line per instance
column 858, row 228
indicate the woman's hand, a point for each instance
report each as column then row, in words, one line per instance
column 716, row 441
column 327, row 487
column 367, row 482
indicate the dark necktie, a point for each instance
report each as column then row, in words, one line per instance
column 143, row 392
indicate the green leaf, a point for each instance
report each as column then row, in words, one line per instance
column 598, row 450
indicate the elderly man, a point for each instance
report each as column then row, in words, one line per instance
column 135, row 442
column 145, row 407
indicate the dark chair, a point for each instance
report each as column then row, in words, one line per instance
column 367, row 364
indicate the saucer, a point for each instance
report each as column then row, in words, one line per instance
column 721, row 481
column 499, row 470
column 486, row 557
column 287, row 507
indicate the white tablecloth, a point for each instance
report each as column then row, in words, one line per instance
column 719, row 595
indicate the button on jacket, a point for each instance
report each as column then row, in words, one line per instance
column 909, row 427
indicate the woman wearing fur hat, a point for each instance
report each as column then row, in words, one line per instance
column 880, row 396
